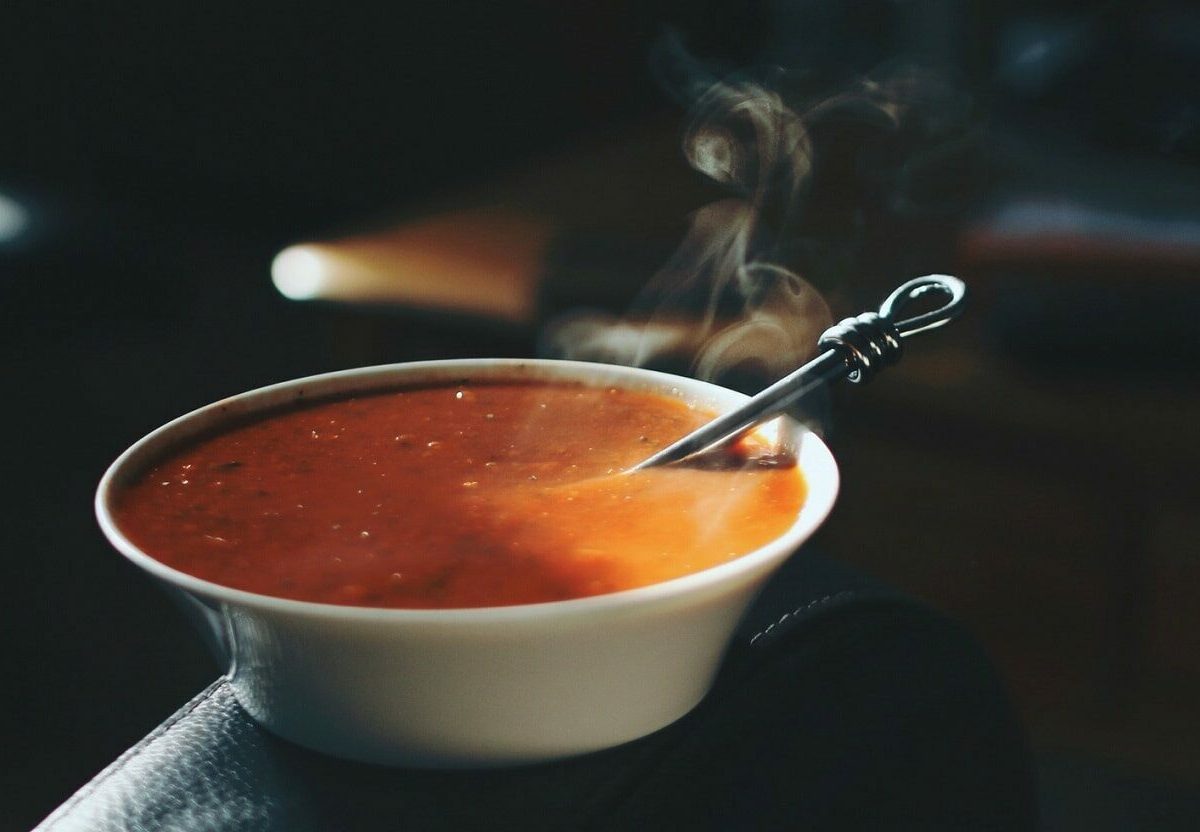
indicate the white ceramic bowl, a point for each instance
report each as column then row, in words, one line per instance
column 472, row 687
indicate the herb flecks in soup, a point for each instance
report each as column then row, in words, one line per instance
column 456, row 496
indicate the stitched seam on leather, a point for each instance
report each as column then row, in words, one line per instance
column 818, row 603
column 116, row 765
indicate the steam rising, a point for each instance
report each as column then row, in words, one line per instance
column 721, row 299
column 731, row 305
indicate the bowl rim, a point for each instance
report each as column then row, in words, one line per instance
column 816, row 507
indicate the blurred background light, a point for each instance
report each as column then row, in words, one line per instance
column 14, row 219
column 299, row 273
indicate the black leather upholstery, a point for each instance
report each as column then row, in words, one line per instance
column 841, row 706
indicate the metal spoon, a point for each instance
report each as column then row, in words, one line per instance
column 856, row 348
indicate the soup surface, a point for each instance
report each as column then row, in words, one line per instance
column 472, row 495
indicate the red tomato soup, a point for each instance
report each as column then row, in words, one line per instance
column 454, row 496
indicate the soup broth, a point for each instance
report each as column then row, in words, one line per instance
column 468, row 495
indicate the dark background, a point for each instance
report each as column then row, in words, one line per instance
column 162, row 154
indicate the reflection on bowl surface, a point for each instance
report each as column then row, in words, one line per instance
column 442, row 563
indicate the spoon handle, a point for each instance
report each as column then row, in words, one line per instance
column 856, row 349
